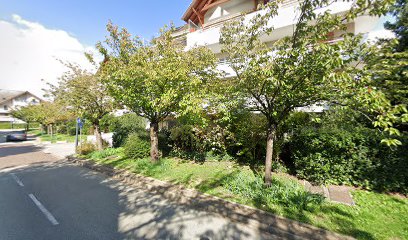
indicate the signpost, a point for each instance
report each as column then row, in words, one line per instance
column 78, row 126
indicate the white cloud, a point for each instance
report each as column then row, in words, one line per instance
column 29, row 52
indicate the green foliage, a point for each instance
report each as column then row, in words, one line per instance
column 336, row 151
column 83, row 93
column 285, row 198
column 136, row 147
column 285, row 193
column 246, row 136
column 108, row 152
column 125, row 125
column 8, row 125
column 186, row 138
column 400, row 26
column 299, row 70
column 86, row 148
column 155, row 79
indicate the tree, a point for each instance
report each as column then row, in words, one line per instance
column 299, row 70
column 83, row 93
column 400, row 26
column 26, row 113
column 387, row 69
column 156, row 79
column 46, row 113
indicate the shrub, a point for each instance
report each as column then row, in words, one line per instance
column 86, row 148
column 351, row 156
column 246, row 138
column 106, row 153
column 124, row 125
column 136, row 147
column 282, row 192
column 186, row 138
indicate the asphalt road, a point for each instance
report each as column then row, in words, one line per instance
column 44, row 198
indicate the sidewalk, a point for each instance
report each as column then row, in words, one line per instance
column 60, row 150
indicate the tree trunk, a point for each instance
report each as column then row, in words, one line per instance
column 269, row 155
column 98, row 138
column 154, row 141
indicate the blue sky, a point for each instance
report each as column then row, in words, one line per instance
column 86, row 19
column 36, row 34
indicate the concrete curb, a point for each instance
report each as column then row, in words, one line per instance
column 264, row 221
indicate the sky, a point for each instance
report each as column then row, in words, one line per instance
column 35, row 35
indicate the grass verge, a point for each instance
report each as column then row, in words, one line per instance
column 375, row 216
column 54, row 138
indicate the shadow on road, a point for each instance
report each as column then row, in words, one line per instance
column 90, row 206
column 16, row 149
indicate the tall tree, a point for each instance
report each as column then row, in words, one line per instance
column 26, row 113
column 387, row 68
column 400, row 26
column 83, row 93
column 300, row 70
column 154, row 79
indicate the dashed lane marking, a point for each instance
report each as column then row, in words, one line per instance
column 47, row 214
column 19, row 182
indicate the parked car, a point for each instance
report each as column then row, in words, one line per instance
column 16, row 136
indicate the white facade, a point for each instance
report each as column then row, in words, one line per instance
column 212, row 20
column 10, row 100
column 209, row 33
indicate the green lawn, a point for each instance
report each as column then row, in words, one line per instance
column 54, row 138
column 8, row 125
column 376, row 216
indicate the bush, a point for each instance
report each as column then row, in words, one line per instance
column 136, row 147
column 86, row 148
column 351, row 156
column 246, row 137
column 282, row 192
column 124, row 125
column 108, row 152
column 186, row 138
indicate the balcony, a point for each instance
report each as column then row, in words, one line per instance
column 209, row 35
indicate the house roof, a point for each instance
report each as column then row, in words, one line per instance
column 7, row 95
column 197, row 9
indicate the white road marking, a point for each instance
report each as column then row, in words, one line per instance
column 19, row 182
column 47, row 214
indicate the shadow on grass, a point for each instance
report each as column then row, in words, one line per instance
column 283, row 198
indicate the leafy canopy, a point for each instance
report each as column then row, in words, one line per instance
column 157, row 78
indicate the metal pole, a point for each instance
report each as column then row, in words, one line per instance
column 76, row 135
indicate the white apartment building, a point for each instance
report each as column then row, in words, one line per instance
column 10, row 100
column 205, row 19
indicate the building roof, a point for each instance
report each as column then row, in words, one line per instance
column 6, row 95
column 197, row 9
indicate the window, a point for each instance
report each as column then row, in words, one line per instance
column 5, row 107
